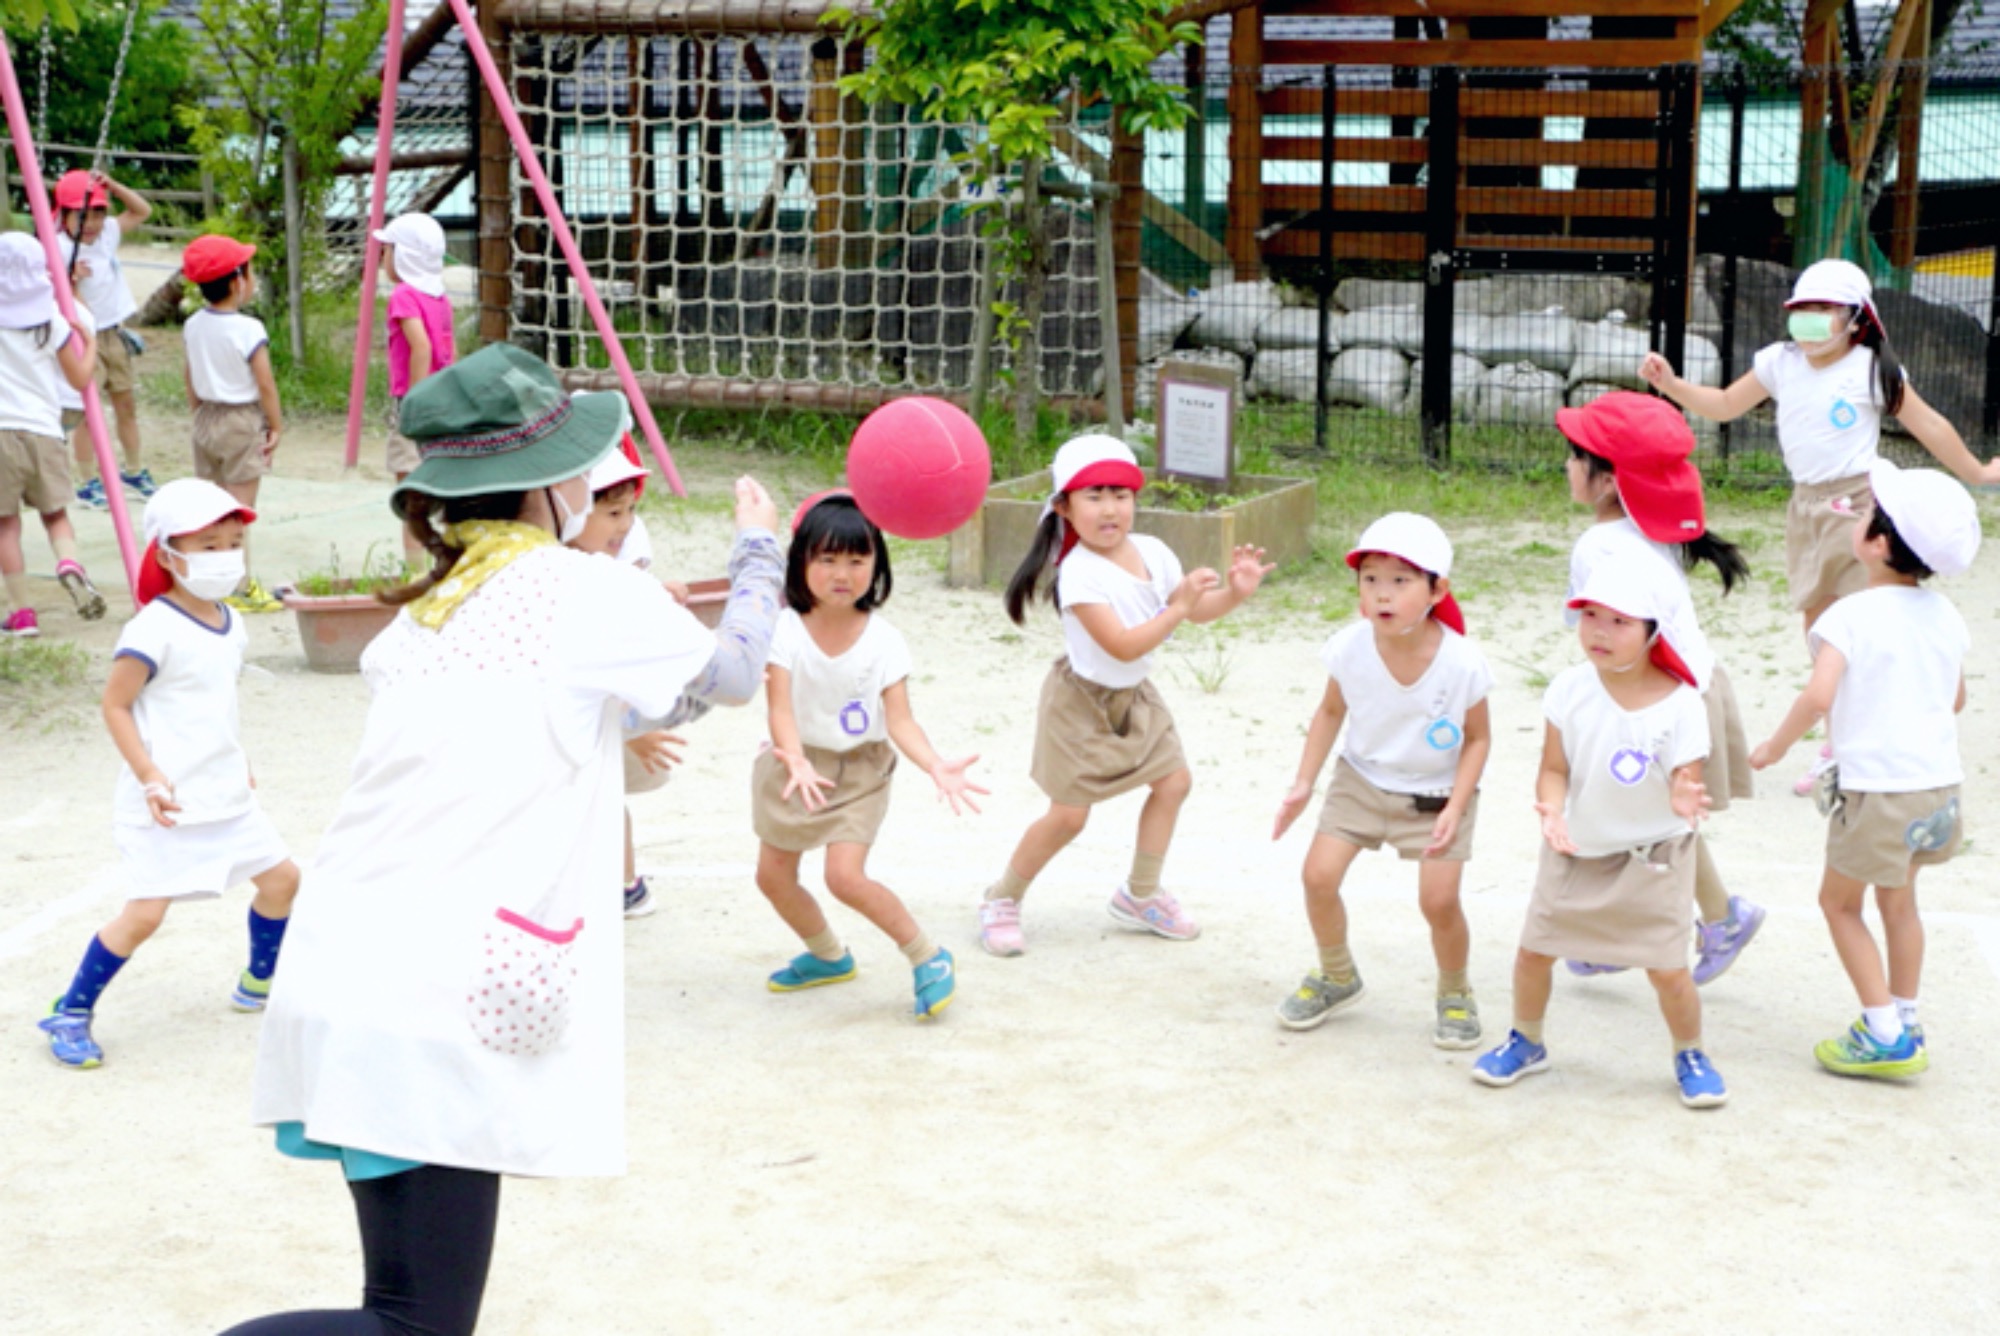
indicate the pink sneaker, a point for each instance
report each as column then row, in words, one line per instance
column 1000, row 927
column 1161, row 915
column 21, row 623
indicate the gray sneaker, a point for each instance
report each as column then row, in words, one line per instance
column 1457, row 1022
column 1316, row 998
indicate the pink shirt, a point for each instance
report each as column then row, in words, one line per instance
column 406, row 303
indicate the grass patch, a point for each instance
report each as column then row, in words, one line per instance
column 381, row 567
column 44, row 684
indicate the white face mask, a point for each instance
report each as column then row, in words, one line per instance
column 210, row 575
column 569, row 523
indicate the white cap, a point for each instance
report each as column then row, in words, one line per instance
column 1841, row 282
column 1083, row 452
column 27, row 298
column 189, row 504
column 1638, row 586
column 419, row 243
column 1932, row 511
column 613, row 469
column 1417, row 539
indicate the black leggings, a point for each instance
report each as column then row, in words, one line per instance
column 426, row 1241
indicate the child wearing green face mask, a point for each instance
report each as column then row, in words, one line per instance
column 1832, row 381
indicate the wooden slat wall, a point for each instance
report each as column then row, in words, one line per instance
column 1485, row 9
column 1538, row 102
column 1497, row 55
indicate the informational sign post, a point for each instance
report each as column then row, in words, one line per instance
column 1197, row 411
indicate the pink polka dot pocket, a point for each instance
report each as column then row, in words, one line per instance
column 519, row 1001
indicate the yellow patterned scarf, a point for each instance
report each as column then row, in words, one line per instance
column 489, row 545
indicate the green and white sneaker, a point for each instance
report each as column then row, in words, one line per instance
column 251, row 993
column 1316, row 998
column 1457, row 1021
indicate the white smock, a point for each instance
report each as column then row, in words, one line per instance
column 489, row 783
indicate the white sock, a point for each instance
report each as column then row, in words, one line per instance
column 1883, row 1023
column 1906, row 1010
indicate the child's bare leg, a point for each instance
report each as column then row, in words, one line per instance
column 13, row 565
column 1534, row 980
column 85, row 451
column 1046, row 837
column 62, row 534
column 245, row 492
column 1162, row 810
column 1840, row 899
column 276, row 889
column 1327, row 861
column 126, row 405
column 778, row 879
column 1903, row 936
column 631, row 859
column 270, row 913
column 1451, row 937
column 1680, row 1003
column 139, row 920
column 848, row 880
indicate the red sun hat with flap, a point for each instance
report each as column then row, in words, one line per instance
column 1647, row 443
column 211, row 257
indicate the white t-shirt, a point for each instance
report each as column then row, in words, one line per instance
column 1893, row 726
column 220, row 345
column 1405, row 739
column 1829, row 422
column 104, row 291
column 1622, row 540
column 489, row 778
column 837, row 703
column 1084, row 577
column 187, row 714
column 637, row 549
column 1621, row 762
column 31, row 379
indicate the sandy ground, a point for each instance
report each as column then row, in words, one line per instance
column 1111, row 1133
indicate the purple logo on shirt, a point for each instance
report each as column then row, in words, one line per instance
column 1629, row 765
column 854, row 719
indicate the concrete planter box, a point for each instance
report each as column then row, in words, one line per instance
column 1275, row 514
column 335, row 628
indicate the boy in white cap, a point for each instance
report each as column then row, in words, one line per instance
column 1619, row 793
column 188, row 823
column 420, row 328
column 39, row 353
column 1411, row 690
column 1888, row 673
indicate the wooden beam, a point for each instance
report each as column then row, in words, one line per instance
column 1637, row 154
column 1153, row 209
column 1294, row 243
column 1246, row 143
column 1481, row 9
column 1903, row 213
column 1878, row 111
column 1523, row 201
column 1201, row 11
column 1474, row 102
column 1634, row 54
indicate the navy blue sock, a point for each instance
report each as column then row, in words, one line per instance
column 266, row 936
column 98, row 967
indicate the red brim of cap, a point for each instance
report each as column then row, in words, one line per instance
column 153, row 577
column 1108, row 473
column 799, row 515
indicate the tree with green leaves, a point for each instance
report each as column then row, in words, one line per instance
column 1016, row 69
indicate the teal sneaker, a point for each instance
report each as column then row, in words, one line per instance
column 936, row 982
column 251, row 993
column 69, row 1038
column 1859, row 1053
column 809, row 971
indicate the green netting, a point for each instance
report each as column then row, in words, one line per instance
column 1817, row 232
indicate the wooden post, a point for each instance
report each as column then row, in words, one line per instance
column 1194, row 139
column 824, row 109
column 1128, row 228
column 1878, row 110
column 1246, row 142
column 1905, row 212
column 295, row 280
column 1820, row 51
column 495, row 206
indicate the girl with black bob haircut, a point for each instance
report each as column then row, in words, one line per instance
column 833, row 524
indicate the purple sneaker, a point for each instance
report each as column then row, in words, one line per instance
column 1160, row 915
column 1583, row 969
column 1720, row 943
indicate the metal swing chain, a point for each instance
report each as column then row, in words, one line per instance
column 42, row 106
column 117, row 77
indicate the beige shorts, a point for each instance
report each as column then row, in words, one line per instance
column 638, row 779
column 229, row 443
column 1820, row 565
column 855, row 806
column 1632, row 909
column 114, row 362
column 1094, row 742
column 1726, row 773
column 400, row 453
column 1882, row 838
column 1367, row 817
column 34, row 470
column 72, row 418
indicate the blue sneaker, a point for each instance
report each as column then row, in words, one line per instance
column 1516, row 1058
column 937, row 982
column 1860, row 1053
column 140, row 482
column 69, row 1038
column 1583, row 969
column 250, row 993
column 91, row 495
column 1701, row 1084
column 809, row 971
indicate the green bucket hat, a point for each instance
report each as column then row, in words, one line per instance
column 500, row 421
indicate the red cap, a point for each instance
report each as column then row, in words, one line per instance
column 1647, row 443
column 630, row 449
column 799, row 515
column 74, row 188
column 212, row 257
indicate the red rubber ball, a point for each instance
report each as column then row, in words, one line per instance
column 919, row 467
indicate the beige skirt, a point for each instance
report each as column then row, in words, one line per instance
column 638, row 779
column 1820, row 565
column 1726, row 773
column 1094, row 742
column 855, row 805
column 1627, row 909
